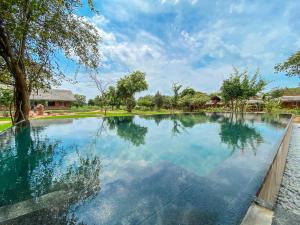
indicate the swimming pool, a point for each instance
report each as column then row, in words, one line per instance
column 163, row 169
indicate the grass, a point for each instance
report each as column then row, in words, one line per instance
column 108, row 114
column 4, row 126
column 4, row 118
column 75, row 113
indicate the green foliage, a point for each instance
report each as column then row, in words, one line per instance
column 291, row 91
column 91, row 102
column 158, row 100
column 166, row 102
column 187, row 91
column 231, row 89
column 237, row 134
column 279, row 92
column 128, row 129
column 175, row 88
column 239, row 88
column 80, row 100
column 6, row 97
column 276, row 93
column 291, row 66
column 199, row 100
column 128, row 86
column 272, row 104
column 4, row 126
column 32, row 35
column 194, row 101
column 99, row 101
column 146, row 101
column 112, row 97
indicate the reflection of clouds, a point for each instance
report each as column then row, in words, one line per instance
column 166, row 180
column 149, row 191
column 115, row 169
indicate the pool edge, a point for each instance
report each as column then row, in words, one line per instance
column 261, row 209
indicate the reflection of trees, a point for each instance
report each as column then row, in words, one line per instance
column 190, row 120
column 180, row 121
column 238, row 135
column 157, row 118
column 34, row 166
column 277, row 120
column 128, row 129
column 183, row 121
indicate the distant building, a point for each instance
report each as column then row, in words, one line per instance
column 255, row 104
column 53, row 98
column 215, row 101
column 290, row 101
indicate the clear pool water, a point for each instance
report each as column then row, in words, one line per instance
column 164, row 169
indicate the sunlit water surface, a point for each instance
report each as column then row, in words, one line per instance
column 164, row 169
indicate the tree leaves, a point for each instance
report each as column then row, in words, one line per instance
column 239, row 87
column 291, row 66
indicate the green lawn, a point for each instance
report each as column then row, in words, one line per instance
column 81, row 114
column 108, row 114
column 4, row 119
column 77, row 113
column 4, row 126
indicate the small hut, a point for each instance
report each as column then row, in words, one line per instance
column 255, row 104
column 290, row 102
column 52, row 98
column 215, row 101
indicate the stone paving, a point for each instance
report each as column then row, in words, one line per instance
column 287, row 209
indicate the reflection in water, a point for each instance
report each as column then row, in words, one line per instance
column 189, row 178
column 35, row 167
column 276, row 120
column 237, row 134
column 128, row 129
column 190, row 120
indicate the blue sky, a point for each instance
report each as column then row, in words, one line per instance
column 192, row 42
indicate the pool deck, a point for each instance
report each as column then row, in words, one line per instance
column 282, row 208
column 287, row 208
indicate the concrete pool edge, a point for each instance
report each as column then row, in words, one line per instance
column 261, row 209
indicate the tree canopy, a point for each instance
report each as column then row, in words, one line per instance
column 146, row 101
column 291, row 66
column 80, row 100
column 158, row 100
column 32, row 36
column 239, row 87
column 176, row 91
column 130, row 85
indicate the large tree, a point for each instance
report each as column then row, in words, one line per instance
column 175, row 88
column 291, row 66
column 128, row 86
column 34, row 35
column 239, row 87
column 158, row 100
column 80, row 100
column 112, row 97
column 146, row 101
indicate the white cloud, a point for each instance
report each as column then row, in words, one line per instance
column 99, row 20
column 170, row 45
column 175, row 2
column 237, row 8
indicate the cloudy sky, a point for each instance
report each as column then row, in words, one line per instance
column 192, row 42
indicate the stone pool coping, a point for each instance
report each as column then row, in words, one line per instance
column 260, row 211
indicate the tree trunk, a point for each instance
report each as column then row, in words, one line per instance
column 22, row 104
column 231, row 105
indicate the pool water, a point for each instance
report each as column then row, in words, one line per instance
column 163, row 169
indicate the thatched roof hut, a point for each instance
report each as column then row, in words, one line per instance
column 53, row 98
